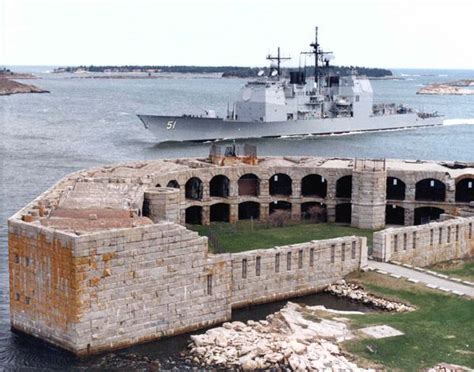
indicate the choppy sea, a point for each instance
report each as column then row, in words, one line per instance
column 88, row 122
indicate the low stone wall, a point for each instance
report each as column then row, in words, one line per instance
column 266, row 275
column 426, row 244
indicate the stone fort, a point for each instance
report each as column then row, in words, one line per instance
column 103, row 259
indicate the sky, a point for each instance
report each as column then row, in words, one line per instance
column 372, row 33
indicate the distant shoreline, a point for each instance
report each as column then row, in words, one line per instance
column 211, row 71
column 9, row 86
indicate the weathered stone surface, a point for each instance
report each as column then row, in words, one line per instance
column 102, row 261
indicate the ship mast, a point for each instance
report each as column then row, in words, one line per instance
column 277, row 58
column 316, row 53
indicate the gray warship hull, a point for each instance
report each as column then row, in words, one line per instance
column 189, row 128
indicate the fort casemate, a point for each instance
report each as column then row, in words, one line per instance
column 103, row 259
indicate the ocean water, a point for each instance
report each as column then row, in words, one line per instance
column 88, row 122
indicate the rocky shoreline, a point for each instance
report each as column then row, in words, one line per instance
column 8, row 87
column 296, row 337
column 458, row 87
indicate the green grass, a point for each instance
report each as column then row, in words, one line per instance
column 243, row 238
column 462, row 269
column 440, row 330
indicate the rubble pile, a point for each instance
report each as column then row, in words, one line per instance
column 294, row 337
column 357, row 293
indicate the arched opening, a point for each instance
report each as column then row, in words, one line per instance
column 279, row 205
column 314, row 185
column 194, row 189
column 430, row 189
column 344, row 213
column 344, row 187
column 394, row 215
column 249, row 210
column 194, row 215
column 427, row 214
column 219, row 186
column 395, row 189
column 249, row 185
column 465, row 190
column 219, row 212
column 174, row 184
column 280, row 184
column 158, row 185
column 314, row 211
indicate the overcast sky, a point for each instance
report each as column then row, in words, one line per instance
column 375, row 33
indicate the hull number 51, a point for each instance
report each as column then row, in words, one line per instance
column 171, row 124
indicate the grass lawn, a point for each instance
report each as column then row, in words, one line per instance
column 243, row 238
column 440, row 330
column 463, row 269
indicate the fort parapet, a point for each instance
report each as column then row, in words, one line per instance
column 103, row 259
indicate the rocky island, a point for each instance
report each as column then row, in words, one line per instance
column 8, row 86
column 458, row 87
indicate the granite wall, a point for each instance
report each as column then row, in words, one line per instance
column 426, row 244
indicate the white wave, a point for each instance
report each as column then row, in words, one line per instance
column 469, row 121
column 442, row 75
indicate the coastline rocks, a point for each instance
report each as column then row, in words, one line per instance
column 8, row 87
column 294, row 338
column 452, row 88
column 358, row 294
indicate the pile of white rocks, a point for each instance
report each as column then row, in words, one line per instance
column 357, row 293
column 294, row 337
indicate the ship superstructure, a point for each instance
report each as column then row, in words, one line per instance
column 272, row 106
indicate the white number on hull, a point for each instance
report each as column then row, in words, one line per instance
column 171, row 124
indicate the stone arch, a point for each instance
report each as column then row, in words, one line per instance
column 465, row 190
column 280, row 184
column 430, row 189
column 193, row 189
column 279, row 205
column 194, row 215
column 394, row 215
column 249, row 210
column 314, row 211
column 344, row 187
column 427, row 214
column 396, row 188
column 219, row 186
column 344, row 213
column 173, row 183
column 219, row 212
column 314, row 185
column 249, row 185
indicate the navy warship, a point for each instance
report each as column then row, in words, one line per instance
column 273, row 106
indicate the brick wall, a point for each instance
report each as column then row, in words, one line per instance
column 426, row 244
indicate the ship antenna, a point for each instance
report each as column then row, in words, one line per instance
column 277, row 58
